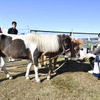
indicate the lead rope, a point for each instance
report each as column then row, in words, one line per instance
column 60, row 66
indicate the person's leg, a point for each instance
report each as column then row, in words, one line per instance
column 92, row 62
column 91, row 59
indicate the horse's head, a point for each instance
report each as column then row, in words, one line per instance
column 76, row 46
column 66, row 41
column 66, row 45
column 71, row 46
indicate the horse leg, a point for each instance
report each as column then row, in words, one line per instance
column 36, row 69
column 50, row 67
column 3, row 66
column 28, row 69
column 55, row 62
column 39, row 62
column 45, row 61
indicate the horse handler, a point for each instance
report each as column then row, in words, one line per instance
column 91, row 57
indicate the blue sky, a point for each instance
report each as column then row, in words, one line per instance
column 60, row 15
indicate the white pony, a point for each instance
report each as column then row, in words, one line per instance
column 30, row 47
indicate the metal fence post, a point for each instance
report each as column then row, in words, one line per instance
column 71, row 33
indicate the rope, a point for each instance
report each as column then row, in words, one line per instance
column 60, row 66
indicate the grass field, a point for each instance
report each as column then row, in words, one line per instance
column 72, row 82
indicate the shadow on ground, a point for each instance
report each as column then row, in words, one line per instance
column 70, row 66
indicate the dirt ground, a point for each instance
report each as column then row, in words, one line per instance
column 72, row 82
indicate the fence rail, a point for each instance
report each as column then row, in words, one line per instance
column 87, row 43
column 70, row 33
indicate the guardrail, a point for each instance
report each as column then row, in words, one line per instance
column 63, row 32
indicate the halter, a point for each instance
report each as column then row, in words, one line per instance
column 64, row 50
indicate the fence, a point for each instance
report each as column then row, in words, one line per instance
column 87, row 41
column 62, row 32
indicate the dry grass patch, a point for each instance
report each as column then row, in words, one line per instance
column 73, row 82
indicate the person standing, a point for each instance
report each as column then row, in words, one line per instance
column 13, row 30
column 92, row 55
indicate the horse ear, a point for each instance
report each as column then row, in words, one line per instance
column 66, row 37
column 63, row 36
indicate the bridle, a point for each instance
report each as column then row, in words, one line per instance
column 64, row 50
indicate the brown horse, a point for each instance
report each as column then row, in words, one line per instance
column 75, row 44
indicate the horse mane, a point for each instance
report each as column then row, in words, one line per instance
column 44, row 42
column 80, row 42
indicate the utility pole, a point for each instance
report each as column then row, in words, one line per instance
column 28, row 28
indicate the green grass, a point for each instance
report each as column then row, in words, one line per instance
column 73, row 82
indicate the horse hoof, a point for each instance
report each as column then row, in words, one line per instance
column 27, row 78
column 40, row 66
column 48, row 77
column 46, row 66
column 10, row 77
column 38, row 80
column 55, row 72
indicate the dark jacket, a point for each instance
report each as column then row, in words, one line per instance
column 12, row 31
